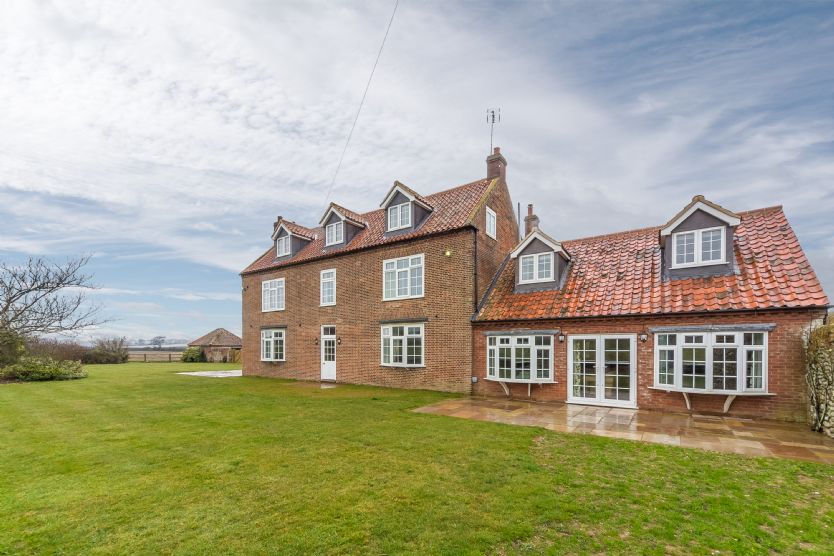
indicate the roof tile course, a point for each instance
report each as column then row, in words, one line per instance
column 453, row 209
column 620, row 274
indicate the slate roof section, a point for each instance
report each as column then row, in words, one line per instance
column 453, row 209
column 219, row 337
column 620, row 274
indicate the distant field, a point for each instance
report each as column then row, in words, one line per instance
column 154, row 356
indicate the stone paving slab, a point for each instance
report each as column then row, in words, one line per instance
column 750, row 437
column 214, row 374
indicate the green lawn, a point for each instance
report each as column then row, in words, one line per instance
column 137, row 459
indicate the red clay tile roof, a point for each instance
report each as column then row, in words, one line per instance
column 620, row 274
column 218, row 338
column 354, row 217
column 298, row 229
column 453, row 209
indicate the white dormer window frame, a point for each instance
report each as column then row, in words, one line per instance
column 698, row 237
column 540, row 272
column 399, row 216
column 491, row 223
column 334, row 233
column 282, row 246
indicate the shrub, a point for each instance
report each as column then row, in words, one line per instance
column 819, row 361
column 56, row 349
column 42, row 368
column 107, row 351
column 11, row 347
column 193, row 355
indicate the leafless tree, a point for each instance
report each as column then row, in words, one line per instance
column 158, row 341
column 46, row 297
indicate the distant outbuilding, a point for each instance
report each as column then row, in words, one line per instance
column 219, row 346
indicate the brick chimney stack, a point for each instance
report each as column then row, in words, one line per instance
column 277, row 222
column 530, row 221
column 496, row 165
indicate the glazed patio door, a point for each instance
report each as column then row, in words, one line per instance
column 602, row 370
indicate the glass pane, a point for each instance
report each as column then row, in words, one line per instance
column 398, row 331
column 694, row 368
column 543, row 363
column 527, row 267
column 393, row 217
column 402, row 283
column 725, row 368
column 666, row 367
column 725, row 339
column 491, row 362
column 390, row 284
column 753, row 338
column 522, row 363
column 329, row 350
column 685, row 248
column 584, row 368
column 328, row 331
column 545, row 266
column 417, row 280
column 617, row 369
column 405, row 214
column 397, row 350
column 386, row 350
column 754, row 370
column 711, row 245
column 414, row 351
column 505, row 362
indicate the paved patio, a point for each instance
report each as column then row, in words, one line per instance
column 723, row 434
column 214, row 374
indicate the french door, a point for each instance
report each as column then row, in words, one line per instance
column 328, row 353
column 602, row 370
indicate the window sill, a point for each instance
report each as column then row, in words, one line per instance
column 520, row 381
column 327, row 304
column 404, row 298
column 696, row 265
column 544, row 281
column 392, row 366
column 273, row 360
column 271, row 310
column 710, row 392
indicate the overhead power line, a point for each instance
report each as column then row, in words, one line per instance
column 361, row 103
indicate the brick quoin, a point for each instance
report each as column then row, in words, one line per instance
column 785, row 361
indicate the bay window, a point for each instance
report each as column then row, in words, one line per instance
column 402, row 345
column 719, row 362
column 402, row 278
column 272, row 344
column 520, row 358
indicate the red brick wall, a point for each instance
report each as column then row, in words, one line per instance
column 448, row 305
column 492, row 252
column 785, row 364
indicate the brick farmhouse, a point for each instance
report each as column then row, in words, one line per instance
column 704, row 313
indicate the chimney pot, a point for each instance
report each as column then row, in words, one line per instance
column 530, row 209
column 496, row 150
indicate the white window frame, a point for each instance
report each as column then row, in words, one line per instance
column 536, row 277
column 399, row 210
column 491, row 223
column 282, row 246
column 386, row 335
column 699, row 248
column 277, row 284
column 396, row 270
column 492, row 372
column 334, row 233
column 322, row 281
column 600, row 370
column 271, row 336
column 709, row 343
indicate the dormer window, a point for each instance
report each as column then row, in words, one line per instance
column 698, row 247
column 399, row 216
column 334, row 233
column 282, row 245
column 536, row 268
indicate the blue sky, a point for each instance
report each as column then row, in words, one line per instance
column 165, row 137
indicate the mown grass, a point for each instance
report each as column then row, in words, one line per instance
column 138, row 459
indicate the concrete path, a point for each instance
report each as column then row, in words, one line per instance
column 722, row 434
column 215, row 374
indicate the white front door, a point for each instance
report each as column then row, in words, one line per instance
column 328, row 353
column 602, row 370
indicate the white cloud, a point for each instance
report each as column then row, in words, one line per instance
column 183, row 128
